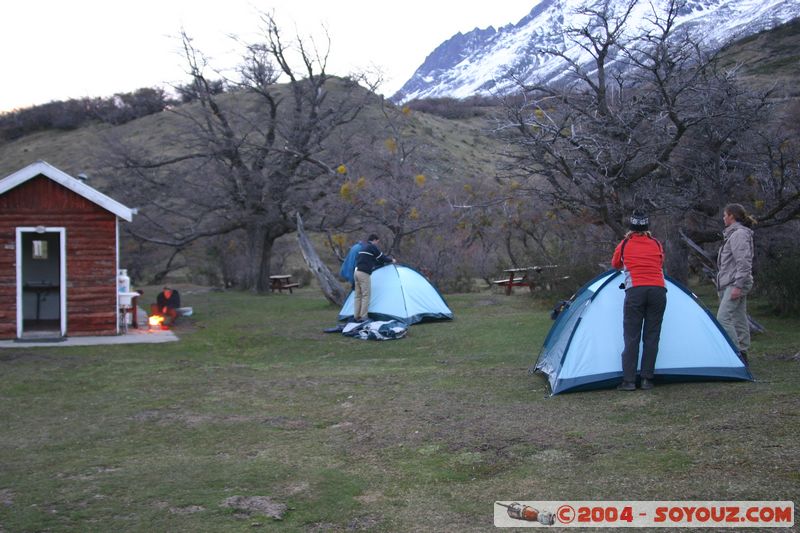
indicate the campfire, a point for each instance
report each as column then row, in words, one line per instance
column 156, row 322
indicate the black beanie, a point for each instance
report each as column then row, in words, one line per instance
column 639, row 221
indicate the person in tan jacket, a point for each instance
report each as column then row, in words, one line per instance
column 735, row 276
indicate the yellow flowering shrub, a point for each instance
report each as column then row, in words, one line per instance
column 346, row 191
column 341, row 169
column 419, row 179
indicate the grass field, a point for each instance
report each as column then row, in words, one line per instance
column 418, row 434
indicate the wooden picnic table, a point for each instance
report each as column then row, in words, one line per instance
column 514, row 279
column 279, row 282
column 520, row 277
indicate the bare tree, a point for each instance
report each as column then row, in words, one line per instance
column 651, row 122
column 250, row 158
column 773, row 170
column 389, row 186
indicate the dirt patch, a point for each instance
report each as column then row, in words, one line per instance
column 363, row 523
column 283, row 422
column 163, row 417
column 370, row 497
column 322, row 526
column 551, row 457
column 249, row 505
column 89, row 475
column 188, row 509
column 296, row 488
column 172, row 417
column 784, row 357
column 6, row 497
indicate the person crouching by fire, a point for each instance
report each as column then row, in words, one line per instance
column 167, row 303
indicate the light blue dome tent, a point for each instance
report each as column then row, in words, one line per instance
column 583, row 348
column 401, row 293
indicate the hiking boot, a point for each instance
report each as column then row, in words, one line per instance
column 626, row 386
column 647, row 384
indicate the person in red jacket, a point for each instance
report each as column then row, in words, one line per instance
column 641, row 258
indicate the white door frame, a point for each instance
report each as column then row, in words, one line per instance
column 62, row 271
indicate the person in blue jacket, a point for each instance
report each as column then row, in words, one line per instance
column 369, row 258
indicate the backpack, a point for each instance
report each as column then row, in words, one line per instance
column 349, row 264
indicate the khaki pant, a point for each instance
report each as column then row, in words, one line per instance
column 361, row 302
column 732, row 316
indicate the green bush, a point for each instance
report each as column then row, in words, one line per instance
column 301, row 276
column 778, row 282
column 462, row 282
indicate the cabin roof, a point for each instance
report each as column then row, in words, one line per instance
column 42, row 168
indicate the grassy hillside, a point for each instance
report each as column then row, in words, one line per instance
column 452, row 150
column 445, row 150
column 461, row 147
column 770, row 58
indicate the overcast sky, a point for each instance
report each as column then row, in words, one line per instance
column 60, row 49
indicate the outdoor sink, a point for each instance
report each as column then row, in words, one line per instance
column 126, row 298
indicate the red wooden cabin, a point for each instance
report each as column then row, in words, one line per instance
column 59, row 255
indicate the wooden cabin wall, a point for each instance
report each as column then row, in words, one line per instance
column 90, row 247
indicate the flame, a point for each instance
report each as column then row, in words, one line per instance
column 155, row 320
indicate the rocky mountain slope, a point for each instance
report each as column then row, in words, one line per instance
column 482, row 61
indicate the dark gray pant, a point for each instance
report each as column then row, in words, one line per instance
column 643, row 312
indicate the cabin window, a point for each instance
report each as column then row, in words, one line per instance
column 40, row 249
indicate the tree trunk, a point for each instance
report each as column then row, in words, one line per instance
column 330, row 286
column 263, row 281
column 259, row 252
column 676, row 255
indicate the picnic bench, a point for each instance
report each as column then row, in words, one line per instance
column 517, row 277
column 280, row 282
column 520, row 277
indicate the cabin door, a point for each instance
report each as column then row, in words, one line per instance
column 41, row 283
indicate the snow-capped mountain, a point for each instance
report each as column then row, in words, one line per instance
column 481, row 61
